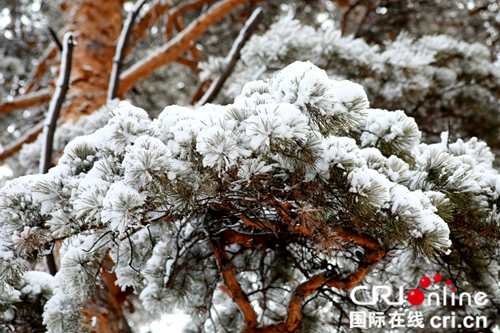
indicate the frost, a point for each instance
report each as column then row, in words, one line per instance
column 122, row 206
column 298, row 154
column 384, row 129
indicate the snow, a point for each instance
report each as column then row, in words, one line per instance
column 172, row 322
column 37, row 283
column 134, row 169
column 148, row 157
column 122, row 206
column 386, row 127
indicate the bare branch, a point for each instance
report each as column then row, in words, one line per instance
column 199, row 91
column 193, row 64
column 232, row 58
column 193, row 50
column 56, row 40
column 26, row 101
column 36, row 74
column 56, row 103
column 345, row 16
column 114, row 80
column 51, row 121
column 176, row 46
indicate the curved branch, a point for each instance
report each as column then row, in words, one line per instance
column 176, row 46
column 232, row 286
column 26, row 101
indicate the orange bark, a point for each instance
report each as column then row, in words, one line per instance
column 293, row 320
column 200, row 91
column 148, row 20
column 26, row 101
column 232, row 287
column 373, row 255
column 106, row 305
column 176, row 46
column 96, row 25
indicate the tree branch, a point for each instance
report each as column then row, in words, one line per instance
column 26, row 101
column 232, row 57
column 16, row 146
column 345, row 17
column 56, row 103
column 176, row 46
column 233, row 288
column 51, row 121
column 293, row 320
column 180, row 9
column 200, row 90
column 149, row 19
column 36, row 74
column 114, row 80
column 55, row 39
column 193, row 50
column 193, row 64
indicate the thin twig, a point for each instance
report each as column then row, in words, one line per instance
column 232, row 58
column 114, row 80
column 56, row 103
column 56, row 40
column 49, row 126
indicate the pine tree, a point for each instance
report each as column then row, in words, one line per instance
column 260, row 214
column 252, row 216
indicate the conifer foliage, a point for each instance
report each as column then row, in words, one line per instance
column 251, row 216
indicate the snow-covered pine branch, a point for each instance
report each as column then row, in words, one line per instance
column 445, row 83
column 297, row 177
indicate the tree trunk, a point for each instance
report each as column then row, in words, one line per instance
column 96, row 25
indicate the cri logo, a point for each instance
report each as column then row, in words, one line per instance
column 417, row 296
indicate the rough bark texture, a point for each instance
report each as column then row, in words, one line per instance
column 97, row 25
